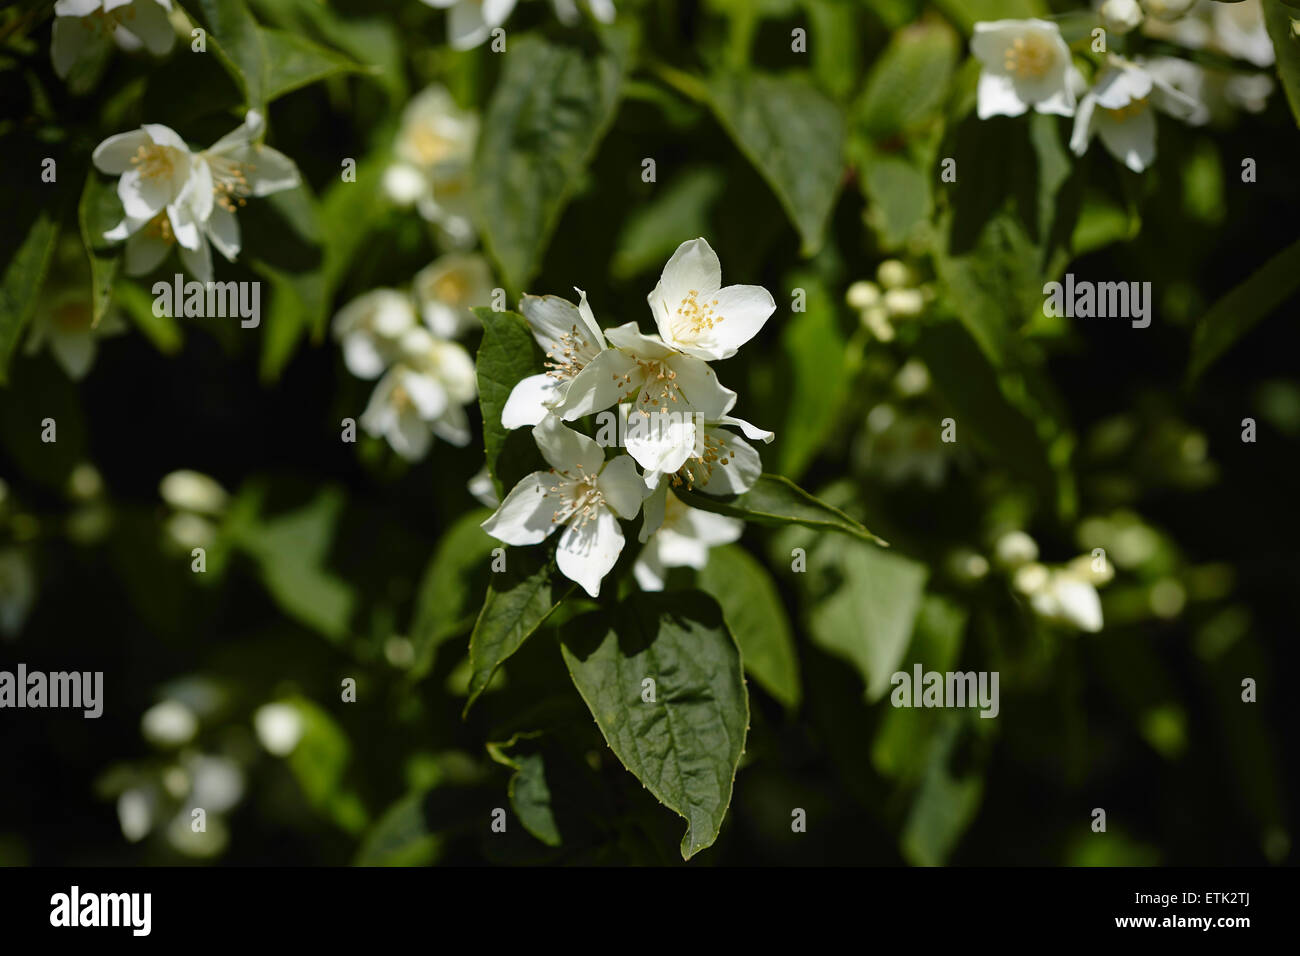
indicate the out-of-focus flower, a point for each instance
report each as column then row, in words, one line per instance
column 446, row 290
column 681, row 540
column 1015, row 548
column 1119, row 109
column 193, row 491
column 422, row 395
column 1168, row 9
column 279, row 728
column 1026, row 64
column 481, row 487
column 582, row 493
column 370, row 330
column 567, row 10
column 471, row 22
column 434, row 147
column 169, row 724
column 83, row 29
column 1121, row 16
column 135, row 812
column 1239, row 31
column 64, row 323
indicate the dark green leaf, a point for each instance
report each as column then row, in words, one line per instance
column 776, row 500
column 442, row 606
column 293, row 62
column 506, row 354
column 685, row 746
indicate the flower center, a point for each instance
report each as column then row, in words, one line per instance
column 429, row 146
column 694, row 315
column 578, row 498
column 1029, row 56
column 1128, row 111
column 451, row 288
column 568, row 357
column 658, row 385
column 700, row 470
column 154, row 161
column 160, row 227
column 229, row 181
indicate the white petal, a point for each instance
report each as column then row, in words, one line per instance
column 751, row 431
column 742, row 468
column 604, row 382
column 362, row 356
column 652, row 512
column 1132, row 140
column 997, row 96
column 529, row 401
column 1078, row 602
column 70, row 42
column 739, row 312
column 269, row 171
column 629, row 338
column 426, row 394
column 75, row 351
column 660, row 442
column 1083, row 130
column 681, row 551
column 466, row 27
column 589, row 550
column 709, row 528
column 198, row 262
column 567, row 451
column 622, row 487
column 551, row 319
column 525, row 517
column 411, row 436
column 151, row 25
column 648, row 570
column 144, row 252
column 701, row 387
column 223, row 230
column 693, row 267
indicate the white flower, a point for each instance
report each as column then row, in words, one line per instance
column 695, row 315
column 84, row 28
column 434, row 148
column 1240, row 31
column 1015, row 548
column 726, row 463
column 64, row 322
column 370, row 329
column 232, row 169
column 447, row 288
column 1118, row 109
column 570, row 337
column 582, row 493
column 422, row 395
column 1121, row 16
column 567, row 10
column 682, row 540
column 17, row 590
column 1069, row 599
column 148, row 243
column 1025, row 63
column 1187, row 78
column 156, row 169
column 470, row 22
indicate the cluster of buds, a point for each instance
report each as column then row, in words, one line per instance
column 894, row 296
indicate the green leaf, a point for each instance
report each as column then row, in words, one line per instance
column 756, row 618
column 909, row 82
column 550, row 110
column 775, row 500
column 320, row 761
column 654, row 231
column 835, row 43
column 1278, row 17
column 860, row 602
column 164, row 331
column 793, row 134
column 944, row 805
column 817, row 376
column 401, row 836
column 506, row 354
column 899, row 196
column 293, row 62
column 236, row 40
column 291, row 550
column 1238, row 312
column 442, row 608
column 98, row 211
column 518, row 601
column 685, row 747
column 966, row 13
column 529, row 793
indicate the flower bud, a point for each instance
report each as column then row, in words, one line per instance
column 893, row 274
column 1168, row 9
column 863, row 294
column 1121, row 16
column 904, row 303
column 1014, row 549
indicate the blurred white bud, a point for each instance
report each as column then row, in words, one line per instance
column 904, row 303
column 85, row 483
column 1121, row 16
column 863, row 294
column 913, row 378
column 135, row 813
column 218, row 783
column 1014, row 549
column 893, row 274
column 876, row 321
column 1030, row 578
column 279, row 728
column 169, row 724
column 192, row 491
column 191, row 531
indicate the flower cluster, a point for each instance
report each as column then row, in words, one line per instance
column 675, row 419
column 1064, row 595
column 405, row 339
column 894, row 296
column 85, row 29
column 174, row 197
column 1027, row 64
